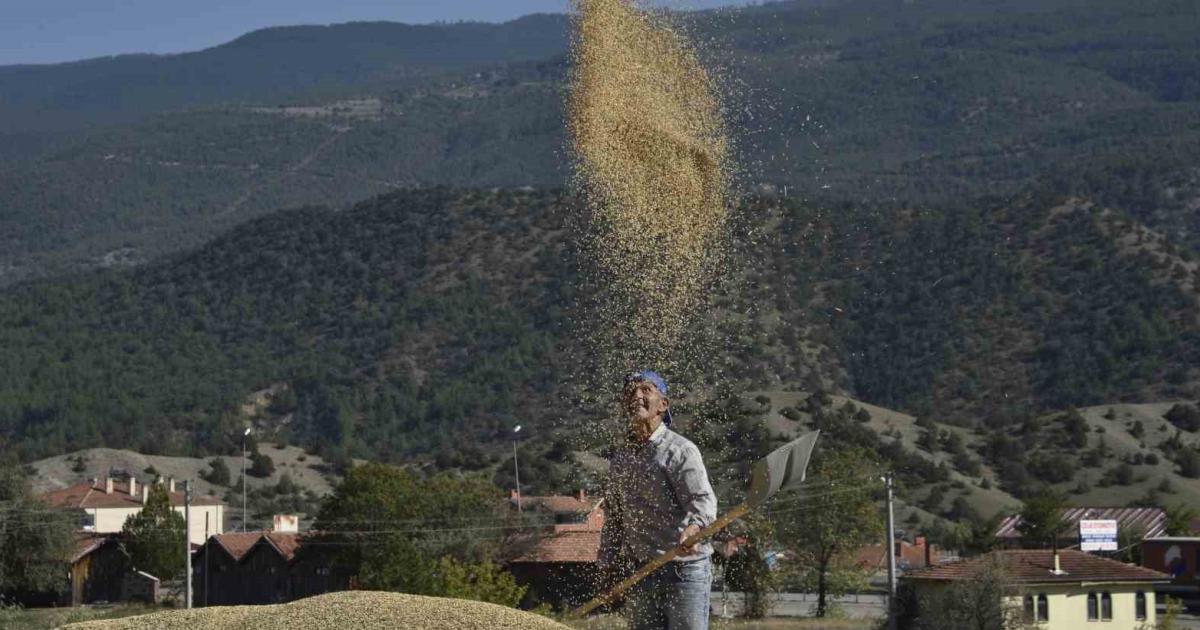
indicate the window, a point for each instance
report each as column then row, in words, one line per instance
column 1093, row 607
column 1037, row 608
column 1105, row 606
column 1140, row 606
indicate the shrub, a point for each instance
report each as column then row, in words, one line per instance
column 261, row 465
column 1185, row 417
column 483, row 582
column 218, row 472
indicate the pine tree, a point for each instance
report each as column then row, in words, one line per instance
column 218, row 473
column 154, row 539
column 35, row 544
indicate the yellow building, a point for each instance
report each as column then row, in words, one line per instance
column 105, row 504
column 1064, row 590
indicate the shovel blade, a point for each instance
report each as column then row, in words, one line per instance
column 784, row 468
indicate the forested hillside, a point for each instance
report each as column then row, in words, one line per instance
column 260, row 67
column 861, row 100
column 428, row 320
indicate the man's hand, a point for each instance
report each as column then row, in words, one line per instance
column 688, row 532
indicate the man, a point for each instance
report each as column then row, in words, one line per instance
column 658, row 495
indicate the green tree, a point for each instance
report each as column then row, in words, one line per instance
column 1189, row 462
column 154, row 539
column 424, row 509
column 747, row 571
column 1179, row 519
column 35, row 541
column 977, row 603
column 261, row 465
column 482, row 581
column 1041, row 519
column 218, row 472
column 840, row 517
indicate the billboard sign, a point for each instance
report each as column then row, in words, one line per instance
column 1098, row 535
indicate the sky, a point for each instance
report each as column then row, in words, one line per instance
column 50, row 31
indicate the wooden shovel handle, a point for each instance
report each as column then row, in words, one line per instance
column 657, row 563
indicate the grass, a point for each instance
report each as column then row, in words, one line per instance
column 17, row 618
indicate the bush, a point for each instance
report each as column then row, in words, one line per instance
column 483, row 582
column 1186, row 417
column 1189, row 463
column 218, row 472
column 261, row 465
column 286, row 485
column 1123, row 475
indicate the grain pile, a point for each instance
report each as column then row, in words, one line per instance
column 652, row 161
column 361, row 610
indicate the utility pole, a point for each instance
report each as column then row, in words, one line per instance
column 187, row 535
column 891, row 554
column 207, row 547
column 244, row 478
column 517, row 467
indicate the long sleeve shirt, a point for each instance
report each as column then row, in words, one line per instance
column 654, row 491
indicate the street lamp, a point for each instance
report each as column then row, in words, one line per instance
column 244, row 436
column 517, row 467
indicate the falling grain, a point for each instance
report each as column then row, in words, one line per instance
column 652, row 160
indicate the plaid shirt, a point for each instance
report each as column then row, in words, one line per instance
column 654, row 491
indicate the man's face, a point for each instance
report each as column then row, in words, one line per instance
column 644, row 406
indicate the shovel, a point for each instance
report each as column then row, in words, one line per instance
column 784, row 468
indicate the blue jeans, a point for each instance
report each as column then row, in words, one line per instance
column 674, row 597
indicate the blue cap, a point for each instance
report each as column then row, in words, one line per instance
column 658, row 382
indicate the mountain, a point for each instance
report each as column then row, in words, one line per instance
column 425, row 316
column 858, row 100
column 261, row 67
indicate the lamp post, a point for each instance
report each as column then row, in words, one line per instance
column 517, row 467
column 244, row 436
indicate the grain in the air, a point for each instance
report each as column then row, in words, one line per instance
column 652, row 160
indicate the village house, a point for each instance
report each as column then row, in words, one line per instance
column 104, row 505
column 96, row 569
column 1058, row 590
column 259, row 568
column 558, row 564
column 1178, row 557
column 915, row 555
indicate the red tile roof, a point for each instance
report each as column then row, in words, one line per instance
column 1151, row 521
column 238, row 544
column 911, row 556
column 87, row 496
column 1035, row 566
column 564, row 542
column 284, row 543
column 86, row 543
column 563, row 547
column 558, row 504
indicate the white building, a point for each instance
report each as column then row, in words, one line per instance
column 106, row 504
